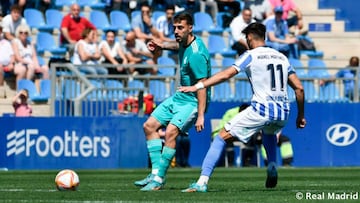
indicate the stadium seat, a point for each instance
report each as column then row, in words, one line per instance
column 163, row 70
column 45, row 88
column 46, row 42
column 96, row 94
column 120, row 20
column 299, row 67
column 204, row 22
column 227, row 61
column 114, row 91
column 35, row 19
column 330, row 93
column 222, row 92
column 317, row 68
column 133, row 14
column 135, row 84
column 216, row 45
column 157, row 14
column 311, row 95
column 34, row 94
column 291, row 94
column 61, row 3
column 101, row 21
column 243, row 91
column 93, row 4
column 71, row 89
column 158, row 89
column 220, row 20
column 53, row 18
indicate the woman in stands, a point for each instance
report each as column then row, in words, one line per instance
column 113, row 53
column 87, row 52
column 26, row 60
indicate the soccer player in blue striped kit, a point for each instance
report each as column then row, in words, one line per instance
column 269, row 72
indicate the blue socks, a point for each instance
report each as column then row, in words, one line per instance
column 212, row 156
column 270, row 142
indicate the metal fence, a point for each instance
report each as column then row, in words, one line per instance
column 78, row 94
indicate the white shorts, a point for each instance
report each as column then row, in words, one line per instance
column 248, row 122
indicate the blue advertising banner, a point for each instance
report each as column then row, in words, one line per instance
column 329, row 139
column 84, row 143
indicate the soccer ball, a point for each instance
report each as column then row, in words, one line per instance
column 67, row 180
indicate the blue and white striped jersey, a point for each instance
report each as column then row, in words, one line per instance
column 267, row 70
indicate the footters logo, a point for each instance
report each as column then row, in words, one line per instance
column 69, row 144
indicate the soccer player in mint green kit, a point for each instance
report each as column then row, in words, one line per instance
column 182, row 110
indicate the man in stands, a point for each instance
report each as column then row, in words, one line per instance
column 11, row 21
column 72, row 26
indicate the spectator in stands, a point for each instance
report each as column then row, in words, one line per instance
column 278, row 36
column 137, row 52
column 347, row 74
column 143, row 25
column 26, row 56
column 236, row 26
column 72, row 26
column 7, row 61
column 43, row 5
column 295, row 22
column 231, row 6
column 20, row 104
column 212, row 6
column 11, row 21
column 87, row 52
column 113, row 53
column 261, row 9
column 165, row 26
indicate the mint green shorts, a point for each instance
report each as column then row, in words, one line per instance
column 181, row 114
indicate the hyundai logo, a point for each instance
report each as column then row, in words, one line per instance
column 341, row 134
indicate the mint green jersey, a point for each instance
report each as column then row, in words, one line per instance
column 194, row 65
column 181, row 108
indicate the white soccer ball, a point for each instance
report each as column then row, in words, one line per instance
column 67, row 180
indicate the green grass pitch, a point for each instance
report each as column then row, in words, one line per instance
column 226, row 185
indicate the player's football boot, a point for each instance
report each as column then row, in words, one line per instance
column 153, row 186
column 272, row 176
column 194, row 187
column 145, row 181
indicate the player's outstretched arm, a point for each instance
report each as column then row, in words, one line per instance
column 213, row 80
column 295, row 84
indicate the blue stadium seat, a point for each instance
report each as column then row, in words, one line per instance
column 291, row 94
column 61, row 3
column 299, row 67
column 204, row 22
column 227, row 61
column 220, row 21
column 94, row 4
column 120, row 20
column 311, row 95
column 53, row 18
column 96, row 94
column 170, row 70
column 158, row 89
column 34, row 94
column 157, row 14
column 35, row 19
column 101, row 21
column 222, row 92
column 71, row 89
column 330, row 93
column 217, row 45
column 46, row 42
column 135, row 84
column 243, row 91
column 45, row 88
column 115, row 92
column 317, row 68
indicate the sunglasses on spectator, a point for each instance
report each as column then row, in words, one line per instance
column 21, row 32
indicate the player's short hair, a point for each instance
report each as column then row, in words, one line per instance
column 184, row 16
column 257, row 29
